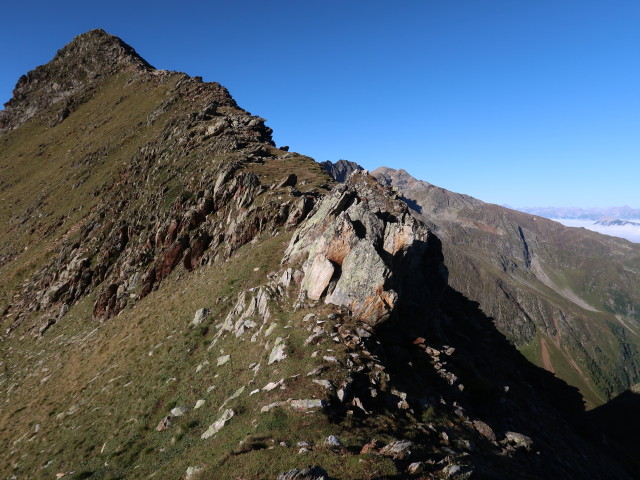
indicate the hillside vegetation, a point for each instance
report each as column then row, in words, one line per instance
column 182, row 299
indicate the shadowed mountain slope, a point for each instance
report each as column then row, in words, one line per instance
column 566, row 297
column 181, row 299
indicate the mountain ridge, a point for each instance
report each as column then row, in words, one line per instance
column 530, row 254
column 182, row 299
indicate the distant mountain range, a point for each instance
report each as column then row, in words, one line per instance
column 623, row 213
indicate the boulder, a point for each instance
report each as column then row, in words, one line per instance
column 361, row 249
column 200, row 316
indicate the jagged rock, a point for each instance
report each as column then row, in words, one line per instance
column 349, row 246
column 278, row 352
column 519, row 440
column 250, row 304
column 485, row 430
column 215, row 427
column 400, row 449
column 317, row 277
column 309, row 473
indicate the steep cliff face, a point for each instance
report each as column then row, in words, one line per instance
column 566, row 296
column 181, row 299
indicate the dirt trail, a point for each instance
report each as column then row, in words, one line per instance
column 546, row 358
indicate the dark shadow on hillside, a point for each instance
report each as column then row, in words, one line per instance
column 616, row 425
column 499, row 386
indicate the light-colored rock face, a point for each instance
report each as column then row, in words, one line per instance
column 349, row 247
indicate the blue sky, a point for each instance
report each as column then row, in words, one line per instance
column 527, row 102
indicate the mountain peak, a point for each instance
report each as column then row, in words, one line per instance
column 83, row 61
column 102, row 49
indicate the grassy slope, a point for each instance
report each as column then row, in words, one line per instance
column 50, row 176
column 87, row 397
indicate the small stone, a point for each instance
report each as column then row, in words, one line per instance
column 270, row 329
column 223, row 359
column 333, row 441
column 192, row 471
column 273, row 385
column 179, row 411
column 371, row 448
column 309, row 473
column 200, row 316
column 266, row 408
column 400, row 449
column 218, row 424
column 519, row 440
column 324, row 383
column 415, row 468
column 202, row 365
column 199, row 404
column 306, row 404
column 164, row 424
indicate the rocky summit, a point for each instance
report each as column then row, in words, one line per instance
column 182, row 299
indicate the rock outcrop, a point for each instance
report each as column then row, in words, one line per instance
column 341, row 170
column 361, row 249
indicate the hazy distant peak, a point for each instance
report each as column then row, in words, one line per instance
column 578, row 213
